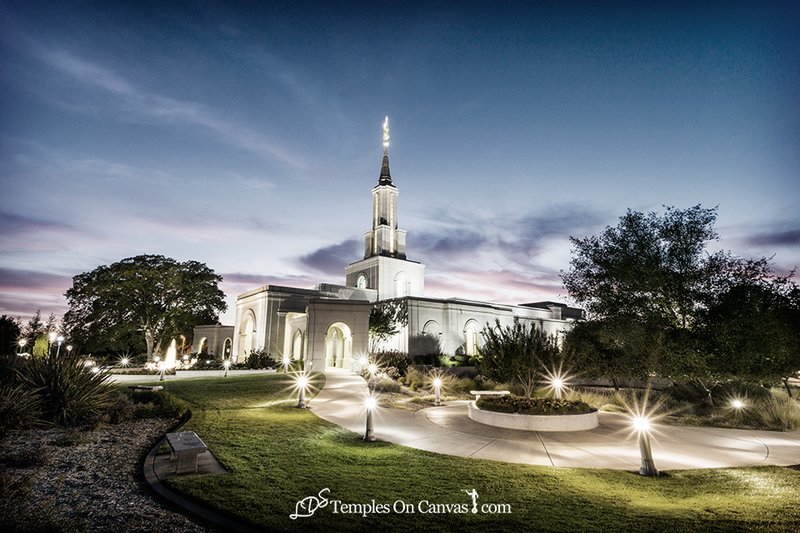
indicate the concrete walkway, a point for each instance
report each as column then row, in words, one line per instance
column 448, row 430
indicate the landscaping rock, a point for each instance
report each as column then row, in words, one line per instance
column 56, row 479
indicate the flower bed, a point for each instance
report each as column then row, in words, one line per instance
column 533, row 406
column 536, row 414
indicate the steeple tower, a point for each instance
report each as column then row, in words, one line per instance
column 385, row 238
column 385, row 268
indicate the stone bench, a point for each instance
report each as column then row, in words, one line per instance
column 479, row 393
column 186, row 446
column 146, row 387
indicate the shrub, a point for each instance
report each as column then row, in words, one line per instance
column 533, row 406
column 391, row 372
column 71, row 394
column 260, row 359
column 394, row 358
column 20, row 407
column 156, row 404
column 414, row 379
column 121, row 409
column 460, row 385
column 776, row 412
column 384, row 383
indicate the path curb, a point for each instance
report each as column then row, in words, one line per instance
column 187, row 506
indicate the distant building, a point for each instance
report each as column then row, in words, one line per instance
column 328, row 326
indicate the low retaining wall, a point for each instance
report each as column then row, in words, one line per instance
column 534, row 422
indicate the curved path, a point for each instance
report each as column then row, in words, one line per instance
column 448, row 430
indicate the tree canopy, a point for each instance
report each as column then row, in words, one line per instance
column 386, row 318
column 151, row 296
column 659, row 301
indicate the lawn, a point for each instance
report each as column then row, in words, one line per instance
column 278, row 455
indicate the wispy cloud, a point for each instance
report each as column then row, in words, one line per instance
column 332, row 259
column 23, row 291
column 167, row 109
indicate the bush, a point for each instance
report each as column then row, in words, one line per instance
column 71, row 394
column 384, row 383
column 121, row 409
column 20, row 407
column 156, row 404
column 414, row 379
column 533, row 406
column 391, row 372
column 258, row 359
column 394, row 358
column 777, row 412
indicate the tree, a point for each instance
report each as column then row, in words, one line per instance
column 34, row 328
column 752, row 330
column 150, row 295
column 10, row 333
column 651, row 287
column 651, row 266
column 386, row 318
column 518, row 353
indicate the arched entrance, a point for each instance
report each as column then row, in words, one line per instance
column 203, row 348
column 247, row 335
column 227, row 347
column 338, row 346
column 297, row 345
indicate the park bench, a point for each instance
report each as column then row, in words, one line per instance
column 146, row 387
column 186, row 446
column 479, row 393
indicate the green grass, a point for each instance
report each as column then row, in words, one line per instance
column 278, row 454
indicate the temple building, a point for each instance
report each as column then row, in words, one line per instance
column 328, row 326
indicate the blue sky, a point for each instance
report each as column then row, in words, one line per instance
column 248, row 136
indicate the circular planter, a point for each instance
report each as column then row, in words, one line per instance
column 534, row 422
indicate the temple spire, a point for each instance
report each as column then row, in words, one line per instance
column 385, row 177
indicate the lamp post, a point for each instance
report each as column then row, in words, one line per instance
column 286, row 362
column 437, row 387
column 370, row 403
column 227, row 365
column 302, row 383
column 642, row 426
column 51, row 338
column 60, row 339
column 161, row 367
column 21, row 343
column 69, row 349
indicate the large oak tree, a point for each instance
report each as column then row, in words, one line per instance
column 151, row 296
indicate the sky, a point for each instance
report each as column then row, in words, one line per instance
column 248, row 135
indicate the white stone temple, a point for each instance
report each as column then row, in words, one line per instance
column 328, row 326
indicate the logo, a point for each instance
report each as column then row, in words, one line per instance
column 474, row 495
column 308, row 506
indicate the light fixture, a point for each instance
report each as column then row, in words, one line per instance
column 437, row 387
column 641, row 423
column 301, row 383
column 370, row 403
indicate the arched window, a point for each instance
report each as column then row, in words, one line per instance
column 361, row 281
column 400, row 285
column 472, row 337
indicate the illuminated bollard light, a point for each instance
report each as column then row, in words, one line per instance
column 301, row 384
column 642, row 426
column 437, row 387
column 227, row 365
column 286, row 361
column 370, row 403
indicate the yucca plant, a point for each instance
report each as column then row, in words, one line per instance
column 71, row 394
column 20, row 407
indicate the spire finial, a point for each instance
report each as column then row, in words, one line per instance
column 386, row 135
column 386, row 176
